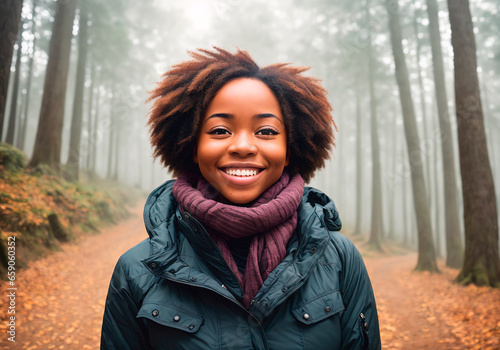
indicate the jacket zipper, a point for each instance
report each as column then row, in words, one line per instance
column 198, row 225
column 363, row 325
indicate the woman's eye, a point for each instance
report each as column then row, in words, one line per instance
column 267, row 132
column 218, row 131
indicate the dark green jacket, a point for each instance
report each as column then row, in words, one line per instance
column 175, row 291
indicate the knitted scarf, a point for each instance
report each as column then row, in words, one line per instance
column 271, row 220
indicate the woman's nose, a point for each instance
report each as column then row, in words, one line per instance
column 242, row 145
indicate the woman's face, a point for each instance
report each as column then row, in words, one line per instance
column 241, row 147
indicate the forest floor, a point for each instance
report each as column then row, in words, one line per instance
column 60, row 298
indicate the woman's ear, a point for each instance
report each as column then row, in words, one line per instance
column 287, row 159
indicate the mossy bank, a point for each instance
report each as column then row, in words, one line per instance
column 42, row 210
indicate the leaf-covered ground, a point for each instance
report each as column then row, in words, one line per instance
column 60, row 299
column 428, row 311
column 30, row 197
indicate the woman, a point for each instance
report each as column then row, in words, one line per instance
column 240, row 255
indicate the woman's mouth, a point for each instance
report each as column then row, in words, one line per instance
column 241, row 172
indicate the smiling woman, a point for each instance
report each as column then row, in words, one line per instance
column 240, row 254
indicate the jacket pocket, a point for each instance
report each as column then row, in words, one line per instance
column 171, row 316
column 319, row 308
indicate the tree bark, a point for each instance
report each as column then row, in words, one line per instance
column 11, row 130
column 47, row 149
column 10, row 16
column 437, row 193
column 90, row 136
column 112, row 131
column 73, row 164
column 376, row 231
column 24, row 127
column 426, row 254
column 404, row 192
column 481, row 263
column 95, row 135
column 359, row 161
column 394, row 144
column 425, row 129
column 454, row 249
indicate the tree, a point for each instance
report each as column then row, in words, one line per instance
column 359, row 160
column 10, row 16
column 73, row 166
column 426, row 254
column 481, row 262
column 47, row 148
column 454, row 250
column 376, row 230
column 24, row 124
column 13, row 106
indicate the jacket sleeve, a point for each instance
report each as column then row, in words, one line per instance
column 121, row 330
column 359, row 322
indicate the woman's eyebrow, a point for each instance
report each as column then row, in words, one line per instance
column 266, row 115
column 221, row 115
column 231, row 116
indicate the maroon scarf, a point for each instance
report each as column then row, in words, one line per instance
column 271, row 219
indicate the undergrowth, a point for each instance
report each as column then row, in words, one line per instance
column 42, row 210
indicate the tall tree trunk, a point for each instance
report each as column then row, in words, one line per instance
column 95, row 134
column 437, row 193
column 394, row 144
column 454, row 249
column 20, row 123
column 24, row 127
column 376, row 231
column 422, row 103
column 426, row 254
column 11, row 130
column 481, row 263
column 112, row 130
column 489, row 126
column 359, row 161
column 116, row 156
column 47, row 149
column 10, row 17
column 404, row 192
column 90, row 137
column 73, row 165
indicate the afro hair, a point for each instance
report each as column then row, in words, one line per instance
column 182, row 97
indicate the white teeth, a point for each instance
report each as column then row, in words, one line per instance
column 241, row 172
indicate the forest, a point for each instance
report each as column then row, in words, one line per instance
column 413, row 85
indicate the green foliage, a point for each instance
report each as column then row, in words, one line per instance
column 41, row 209
column 11, row 159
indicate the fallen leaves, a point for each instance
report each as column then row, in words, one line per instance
column 444, row 313
column 60, row 298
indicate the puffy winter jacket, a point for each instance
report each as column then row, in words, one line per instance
column 175, row 291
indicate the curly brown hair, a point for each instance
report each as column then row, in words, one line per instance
column 182, row 97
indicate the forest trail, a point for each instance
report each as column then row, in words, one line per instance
column 61, row 298
column 419, row 310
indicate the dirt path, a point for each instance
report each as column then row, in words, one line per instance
column 428, row 311
column 61, row 298
column 404, row 323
